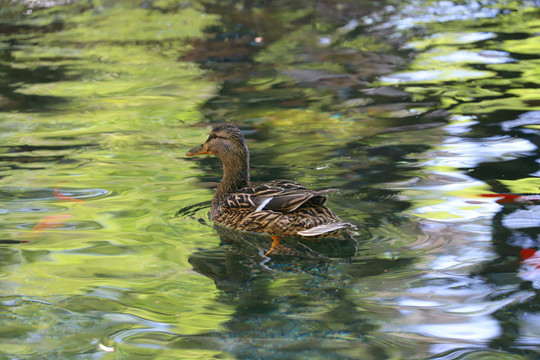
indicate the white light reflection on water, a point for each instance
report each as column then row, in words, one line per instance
column 416, row 13
column 520, row 219
column 480, row 329
column 433, row 76
column 474, row 37
column 459, row 152
column 452, row 209
column 454, row 191
column 528, row 118
column 451, row 38
column 482, row 57
column 460, row 124
column 441, row 197
column 451, row 308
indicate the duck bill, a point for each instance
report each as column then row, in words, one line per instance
column 199, row 150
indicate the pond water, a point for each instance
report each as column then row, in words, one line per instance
column 425, row 114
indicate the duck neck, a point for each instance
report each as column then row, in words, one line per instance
column 235, row 176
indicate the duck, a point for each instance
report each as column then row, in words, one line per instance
column 280, row 208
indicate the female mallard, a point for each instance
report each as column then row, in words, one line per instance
column 279, row 207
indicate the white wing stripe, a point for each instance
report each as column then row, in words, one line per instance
column 323, row 229
column 263, row 204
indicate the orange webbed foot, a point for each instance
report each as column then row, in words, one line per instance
column 275, row 243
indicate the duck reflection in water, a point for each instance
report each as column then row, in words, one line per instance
column 278, row 208
column 238, row 258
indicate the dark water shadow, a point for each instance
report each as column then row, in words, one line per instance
column 16, row 74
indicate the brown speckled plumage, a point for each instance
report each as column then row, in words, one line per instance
column 279, row 207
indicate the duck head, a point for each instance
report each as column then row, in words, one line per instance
column 225, row 141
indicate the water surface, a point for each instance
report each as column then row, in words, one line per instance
column 426, row 116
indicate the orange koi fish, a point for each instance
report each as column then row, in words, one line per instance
column 58, row 195
column 48, row 222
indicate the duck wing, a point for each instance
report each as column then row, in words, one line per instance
column 280, row 195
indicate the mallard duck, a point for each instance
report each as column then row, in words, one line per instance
column 278, row 208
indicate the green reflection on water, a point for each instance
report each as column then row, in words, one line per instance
column 119, row 97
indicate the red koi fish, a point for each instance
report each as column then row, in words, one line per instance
column 525, row 254
column 511, row 198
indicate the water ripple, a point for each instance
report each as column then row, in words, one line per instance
column 23, row 195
